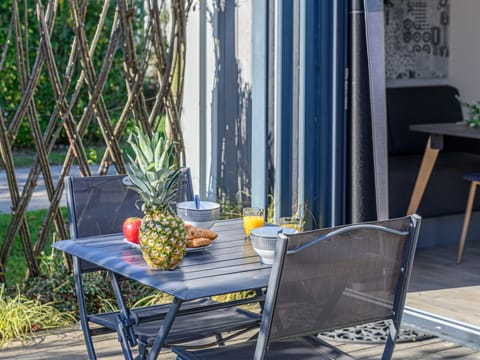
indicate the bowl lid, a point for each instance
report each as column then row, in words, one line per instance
column 203, row 205
column 271, row 231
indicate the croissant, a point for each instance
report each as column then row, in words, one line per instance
column 194, row 232
column 204, row 233
column 198, row 242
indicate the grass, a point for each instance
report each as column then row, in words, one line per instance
column 24, row 158
column 20, row 317
column 16, row 264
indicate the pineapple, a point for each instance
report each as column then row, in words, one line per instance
column 154, row 176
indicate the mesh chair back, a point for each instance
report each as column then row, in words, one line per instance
column 340, row 279
column 98, row 205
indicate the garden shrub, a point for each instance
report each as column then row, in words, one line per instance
column 62, row 34
column 56, row 285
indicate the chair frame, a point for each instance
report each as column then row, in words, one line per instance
column 283, row 250
column 124, row 320
column 80, row 267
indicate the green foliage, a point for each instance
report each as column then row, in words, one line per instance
column 61, row 39
column 239, row 296
column 153, row 299
column 473, row 110
column 235, row 296
column 232, row 208
column 21, row 316
column 56, row 285
column 92, row 156
column 17, row 265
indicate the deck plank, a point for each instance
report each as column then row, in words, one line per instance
column 441, row 287
column 67, row 344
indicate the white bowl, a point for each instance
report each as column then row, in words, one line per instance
column 202, row 214
column 264, row 241
column 201, row 224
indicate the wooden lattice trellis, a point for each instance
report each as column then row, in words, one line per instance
column 160, row 57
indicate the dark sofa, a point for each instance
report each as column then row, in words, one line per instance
column 446, row 192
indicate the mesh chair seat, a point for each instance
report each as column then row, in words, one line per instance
column 186, row 328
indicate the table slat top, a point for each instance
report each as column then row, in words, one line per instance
column 450, row 129
column 230, row 265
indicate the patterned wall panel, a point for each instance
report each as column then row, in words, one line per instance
column 416, row 39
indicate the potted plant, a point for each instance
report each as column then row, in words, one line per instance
column 473, row 110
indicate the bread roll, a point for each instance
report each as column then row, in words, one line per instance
column 198, row 242
column 194, row 232
column 204, row 233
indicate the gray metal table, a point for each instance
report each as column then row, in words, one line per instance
column 230, row 265
column 435, row 143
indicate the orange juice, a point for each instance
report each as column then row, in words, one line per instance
column 252, row 218
column 251, row 222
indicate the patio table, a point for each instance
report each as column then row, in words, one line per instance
column 230, row 265
column 441, row 136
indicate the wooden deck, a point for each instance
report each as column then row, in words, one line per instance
column 67, row 344
column 438, row 285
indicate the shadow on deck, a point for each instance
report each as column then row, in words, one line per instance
column 438, row 285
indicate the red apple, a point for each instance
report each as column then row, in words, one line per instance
column 131, row 227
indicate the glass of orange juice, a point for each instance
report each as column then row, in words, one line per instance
column 253, row 218
column 291, row 222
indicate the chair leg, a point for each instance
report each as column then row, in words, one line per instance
column 83, row 309
column 466, row 222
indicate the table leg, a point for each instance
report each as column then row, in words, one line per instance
column 466, row 221
column 165, row 329
column 125, row 320
column 428, row 161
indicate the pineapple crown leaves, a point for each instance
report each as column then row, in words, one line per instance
column 153, row 172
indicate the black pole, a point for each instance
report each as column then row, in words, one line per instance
column 360, row 172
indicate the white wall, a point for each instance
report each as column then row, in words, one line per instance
column 196, row 112
column 464, row 69
column 211, row 121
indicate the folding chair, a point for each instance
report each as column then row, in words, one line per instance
column 97, row 206
column 329, row 279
